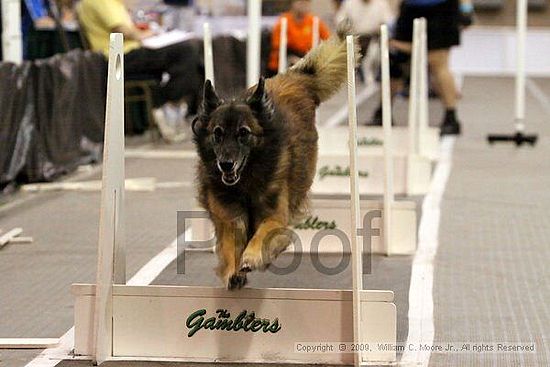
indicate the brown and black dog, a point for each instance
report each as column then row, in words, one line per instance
column 258, row 156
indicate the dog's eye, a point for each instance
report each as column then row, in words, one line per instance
column 218, row 134
column 244, row 132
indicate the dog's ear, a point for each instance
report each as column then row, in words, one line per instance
column 197, row 126
column 259, row 101
column 210, row 101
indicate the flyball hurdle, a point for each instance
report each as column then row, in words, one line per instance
column 414, row 146
column 327, row 212
column 115, row 321
column 397, row 233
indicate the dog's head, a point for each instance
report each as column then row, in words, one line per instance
column 228, row 132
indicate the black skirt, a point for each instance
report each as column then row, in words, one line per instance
column 443, row 28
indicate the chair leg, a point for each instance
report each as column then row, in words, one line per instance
column 148, row 98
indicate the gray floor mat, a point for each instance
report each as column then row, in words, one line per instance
column 491, row 270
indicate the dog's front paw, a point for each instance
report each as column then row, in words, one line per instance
column 253, row 259
column 236, row 281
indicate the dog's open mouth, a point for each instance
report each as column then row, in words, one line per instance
column 232, row 178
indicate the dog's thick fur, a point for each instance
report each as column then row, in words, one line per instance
column 258, row 156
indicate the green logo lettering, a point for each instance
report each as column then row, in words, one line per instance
column 245, row 321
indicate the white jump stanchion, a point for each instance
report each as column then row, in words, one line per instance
column 356, row 245
column 316, row 32
column 388, row 148
column 283, row 40
column 519, row 137
column 420, row 134
column 253, row 45
column 12, row 39
column 201, row 324
column 423, row 115
column 111, row 264
column 208, row 54
column 414, row 92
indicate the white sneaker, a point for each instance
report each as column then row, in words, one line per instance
column 167, row 124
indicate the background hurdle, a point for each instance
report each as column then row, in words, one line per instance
column 124, row 322
column 416, row 146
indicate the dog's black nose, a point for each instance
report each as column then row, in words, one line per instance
column 227, row 166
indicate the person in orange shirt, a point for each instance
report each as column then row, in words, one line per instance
column 299, row 34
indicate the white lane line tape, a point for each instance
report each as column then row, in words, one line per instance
column 342, row 114
column 539, row 95
column 159, row 154
column 421, row 307
column 144, row 276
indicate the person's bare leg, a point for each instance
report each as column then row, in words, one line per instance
column 439, row 67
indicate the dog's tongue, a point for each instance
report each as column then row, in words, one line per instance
column 230, row 178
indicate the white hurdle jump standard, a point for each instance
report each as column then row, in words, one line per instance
column 316, row 32
column 388, row 147
column 208, row 54
column 202, row 324
column 253, row 44
column 12, row 39
column 356, row 245
column 283, row 40
column 414, row 148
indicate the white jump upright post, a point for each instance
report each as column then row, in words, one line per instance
column 356, row 245
column 414, row 92
column 388, row 148
column 208, row 54
column 283, row 41
column 422, row 139
column 12, row 40
column 519, row 137
column 423, row 114
column 253, row 46
column 111, row 264
column 316, row 32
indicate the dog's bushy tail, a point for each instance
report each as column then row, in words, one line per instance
column 327, row 63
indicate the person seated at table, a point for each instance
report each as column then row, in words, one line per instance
column 38, row 13
column 176, row 66
column 299, row 34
